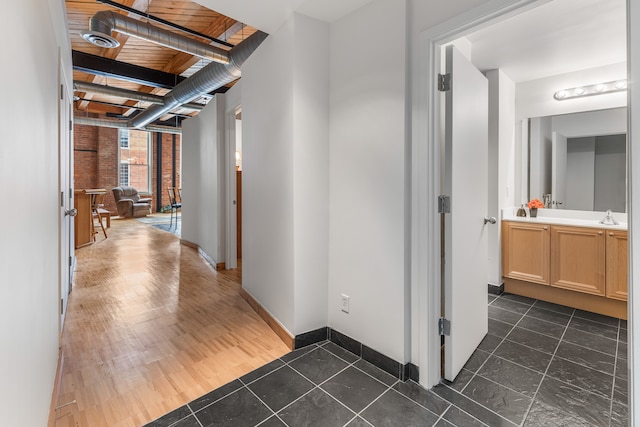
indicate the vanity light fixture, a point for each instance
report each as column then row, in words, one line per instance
column 590, row 90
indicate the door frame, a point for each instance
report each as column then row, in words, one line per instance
column 231, row 247
column 426, row 181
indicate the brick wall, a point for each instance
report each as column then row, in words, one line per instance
column 85, row 152
column 166, row 167
column 97, row 166
column 108, row 164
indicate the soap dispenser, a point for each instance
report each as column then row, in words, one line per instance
column 521, row 211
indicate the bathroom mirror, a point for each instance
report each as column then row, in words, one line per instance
column 579, row 160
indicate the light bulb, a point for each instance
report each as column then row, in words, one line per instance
column 561, row 94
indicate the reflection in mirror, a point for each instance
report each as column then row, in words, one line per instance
column 579, row 160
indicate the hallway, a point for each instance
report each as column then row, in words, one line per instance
column 151, row 326
column 154, row 335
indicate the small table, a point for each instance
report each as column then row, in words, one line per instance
column 83, row 222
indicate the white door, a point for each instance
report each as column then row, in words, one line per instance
column 558, row 169
column 65, row 198
column 466, row 182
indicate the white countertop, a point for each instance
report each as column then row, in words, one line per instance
column 566, row 217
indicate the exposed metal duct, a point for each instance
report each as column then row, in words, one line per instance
column 204, row 81
column 103, row 23
column 128, row 94
column 119, row 124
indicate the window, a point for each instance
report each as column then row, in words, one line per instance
column 135, row 159
column 123, row 134
column 124, row 173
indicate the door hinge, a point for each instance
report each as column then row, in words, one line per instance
column 444, row 82
column 62, row 198
column 70, row 261
column 61, row 306
column 62, row 92
column 70, row 124
column 444, row 204
column 444, row 326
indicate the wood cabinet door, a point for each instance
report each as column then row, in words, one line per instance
column 617, row 263
column 525, row 251
column 578, row 259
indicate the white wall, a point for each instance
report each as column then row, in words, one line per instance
column 267, row 178
column 533, row 100
column 285, row 177
column 191, row 199
column 311, row 173
column 367, row 169
column 501, row 162
column 29, row 248
column 211, row 232
column 203, row 213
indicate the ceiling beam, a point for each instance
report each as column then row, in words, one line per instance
column 98, row 65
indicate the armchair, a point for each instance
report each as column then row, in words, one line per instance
column 129, row 203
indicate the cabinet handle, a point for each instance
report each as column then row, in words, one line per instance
column 600, row 233
column 545, row 228
column 611, row 234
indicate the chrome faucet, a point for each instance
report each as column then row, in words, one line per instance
column 546, row 200
column 609, row 219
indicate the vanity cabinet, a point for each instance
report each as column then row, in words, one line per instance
column 580, row 267
column 617, row 265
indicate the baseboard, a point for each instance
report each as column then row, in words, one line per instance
column 411, row 372
column 496, row 289
column 203, row 254
column 273, row 323
column 56, row 390
column 401, row 371
column 582, row 301
column 189, row 244
column 312, row 337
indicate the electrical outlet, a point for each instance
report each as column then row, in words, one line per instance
column 345, row 303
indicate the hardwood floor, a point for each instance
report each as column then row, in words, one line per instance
column 151, row 326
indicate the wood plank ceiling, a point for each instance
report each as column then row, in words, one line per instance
column 157, row 62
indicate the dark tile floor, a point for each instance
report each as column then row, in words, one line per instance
column 540, row 365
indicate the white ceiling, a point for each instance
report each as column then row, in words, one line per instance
column 558, row 37
column 268, row 16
